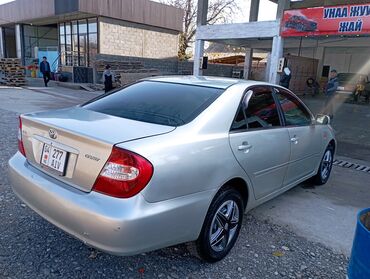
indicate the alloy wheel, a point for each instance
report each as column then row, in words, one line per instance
column 224, row 225
column 326, row 164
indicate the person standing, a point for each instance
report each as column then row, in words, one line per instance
column 359, row 89
column 45, row 70
column 285, row 78
column 330, row 93
column 108, row 77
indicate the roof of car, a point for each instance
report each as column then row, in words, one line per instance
column 207, row 81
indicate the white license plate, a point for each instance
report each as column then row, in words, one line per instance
column 54, row 158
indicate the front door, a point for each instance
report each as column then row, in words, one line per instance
column 305, row 138
column 259, row 141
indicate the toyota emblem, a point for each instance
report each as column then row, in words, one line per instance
column 53, row 134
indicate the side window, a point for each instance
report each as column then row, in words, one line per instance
column 261, row 111
column 295, row 113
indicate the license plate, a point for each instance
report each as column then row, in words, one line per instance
column 54, row 158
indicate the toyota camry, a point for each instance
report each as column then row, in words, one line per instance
column 168, row 160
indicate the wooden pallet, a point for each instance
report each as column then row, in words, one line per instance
column 12, row 71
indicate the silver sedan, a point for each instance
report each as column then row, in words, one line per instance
column 168, row 160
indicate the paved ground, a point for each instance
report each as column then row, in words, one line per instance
column 352, row 125
column 305, row 233
column 324, row 214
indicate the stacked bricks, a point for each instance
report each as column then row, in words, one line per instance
column 12, row 72
column 120, row 66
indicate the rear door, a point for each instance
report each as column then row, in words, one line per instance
column 305, row 137
column 259, row 141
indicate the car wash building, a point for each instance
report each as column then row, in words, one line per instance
column 311, row 37
column 71, row 33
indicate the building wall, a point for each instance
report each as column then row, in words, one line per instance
column 118, row 37
column 348, row 60
column 172, row 66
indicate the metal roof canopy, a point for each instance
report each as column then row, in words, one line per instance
column 53, row 11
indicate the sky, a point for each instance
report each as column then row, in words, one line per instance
column 267, row 11
column 5, row 1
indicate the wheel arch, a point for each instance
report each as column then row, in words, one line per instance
column 333, row 144
column 240, row 185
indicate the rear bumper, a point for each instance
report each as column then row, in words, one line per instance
column 116, row 226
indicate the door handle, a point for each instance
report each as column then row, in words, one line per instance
column 294, row 139
column 245, row 146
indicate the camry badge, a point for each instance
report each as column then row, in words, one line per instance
column 53, row 134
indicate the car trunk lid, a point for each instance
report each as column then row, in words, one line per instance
column 73, row 144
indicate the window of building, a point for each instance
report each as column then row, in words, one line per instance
column 92, row 40
column 62, row 44
column 78, row 42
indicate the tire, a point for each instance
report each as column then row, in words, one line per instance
column 324, row 171
column 221, row 226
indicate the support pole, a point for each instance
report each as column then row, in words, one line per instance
column 248, row 63
column 198, row 56
column 199, row 44
column 253, row 16
column 276, row 53
column 277, row 45
column 18, row 40
column 253, row 13
column 2, row 50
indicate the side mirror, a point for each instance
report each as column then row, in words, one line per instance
column 322, row 119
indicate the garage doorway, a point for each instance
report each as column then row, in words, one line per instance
column 10, row 49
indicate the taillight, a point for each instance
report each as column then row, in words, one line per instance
column 20, row 141
column 124, row 174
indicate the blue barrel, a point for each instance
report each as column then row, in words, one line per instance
column 359, row 265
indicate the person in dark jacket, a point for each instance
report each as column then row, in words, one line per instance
column 108, row 77
column 330, row 93
column 45, row 70
column 312, row 87
column 285, row 78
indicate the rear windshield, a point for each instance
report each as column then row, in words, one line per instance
column 161, row 103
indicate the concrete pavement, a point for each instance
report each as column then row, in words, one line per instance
column 324, row 214
column 35, row 98
column 351, row 123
